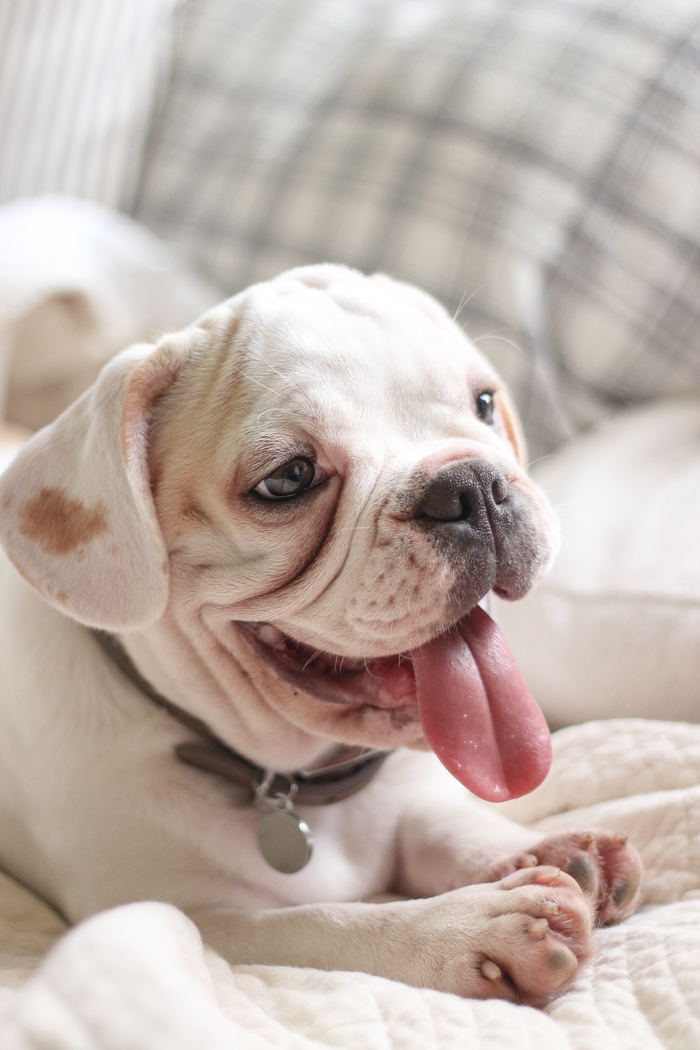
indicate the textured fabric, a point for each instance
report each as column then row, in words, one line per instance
column 78, row 84
column 78, row 283
column 613, row 630
column 139, row 977
column 534, row 160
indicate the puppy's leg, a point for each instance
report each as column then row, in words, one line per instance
column 446, row 842
column 464, row 843
column 523, row 938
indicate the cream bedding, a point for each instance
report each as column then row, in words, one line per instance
column 138, row 977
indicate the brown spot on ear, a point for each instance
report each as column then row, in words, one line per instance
column 59, row 524
column 164, row 567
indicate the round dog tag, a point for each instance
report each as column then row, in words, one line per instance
column 285, row 841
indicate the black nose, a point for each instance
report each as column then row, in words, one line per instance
column 467, row 500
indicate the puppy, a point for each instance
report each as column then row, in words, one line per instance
column 242, row 614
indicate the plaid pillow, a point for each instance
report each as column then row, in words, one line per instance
column 532, row 163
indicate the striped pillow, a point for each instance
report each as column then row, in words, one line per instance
column 78, row 84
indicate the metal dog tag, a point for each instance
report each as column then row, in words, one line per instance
column 285, row 841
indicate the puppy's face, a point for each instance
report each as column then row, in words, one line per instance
column 336, row 473
column 317, row 482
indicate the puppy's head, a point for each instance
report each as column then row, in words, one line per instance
column 326, row 477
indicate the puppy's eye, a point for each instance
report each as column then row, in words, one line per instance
column 485, row 407
column 290, row 480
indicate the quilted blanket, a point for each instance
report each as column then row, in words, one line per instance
column 139, row 978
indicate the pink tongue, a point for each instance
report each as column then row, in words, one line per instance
column 477, row 714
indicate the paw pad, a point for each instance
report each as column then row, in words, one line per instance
column 607, row 869
column 604, row 866
column 583, row 869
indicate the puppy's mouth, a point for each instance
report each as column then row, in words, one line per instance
column 384, row 682
column 475, row 709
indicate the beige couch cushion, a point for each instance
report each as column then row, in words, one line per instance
column 614, row 630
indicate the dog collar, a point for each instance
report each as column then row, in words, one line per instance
column 283, row 837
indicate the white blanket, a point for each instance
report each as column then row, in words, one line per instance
column 139, row 978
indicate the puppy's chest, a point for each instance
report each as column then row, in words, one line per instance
column 353, row 854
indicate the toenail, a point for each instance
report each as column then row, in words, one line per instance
column 490, row 971
column 587, row 840
column 620, row 839
column 583, row 870
column 550, row 908
column 539, row 928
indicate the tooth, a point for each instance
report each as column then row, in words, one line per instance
column 270, row 635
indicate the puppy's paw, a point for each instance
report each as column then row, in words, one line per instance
column 606, row 867
column 530, row 940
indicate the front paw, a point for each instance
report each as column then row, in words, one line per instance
column 524, row 939
column 606, row 867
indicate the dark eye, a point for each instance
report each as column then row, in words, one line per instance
column 290, row 480
column 485, row 407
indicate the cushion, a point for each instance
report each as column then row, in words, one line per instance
column 78, row 283
column 615, row 628
column 532, row 164
column 78, row 84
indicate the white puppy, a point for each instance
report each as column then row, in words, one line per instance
column 286, row 516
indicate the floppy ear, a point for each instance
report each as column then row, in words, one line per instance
column 511, row 425
column 76, row 512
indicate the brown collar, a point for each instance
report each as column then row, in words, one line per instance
column 316, row 787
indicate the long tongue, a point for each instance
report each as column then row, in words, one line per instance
column 477, row 713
